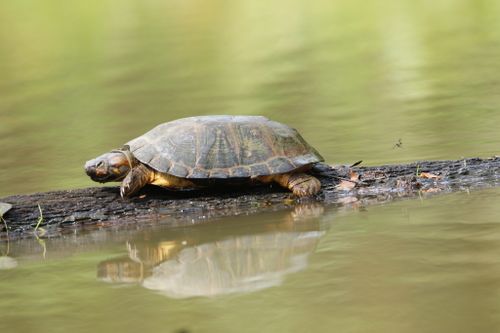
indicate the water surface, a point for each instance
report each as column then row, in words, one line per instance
column 413, row 266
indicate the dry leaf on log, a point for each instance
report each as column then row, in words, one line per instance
column 429, row 175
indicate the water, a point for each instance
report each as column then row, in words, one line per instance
column 79, row 79
column 406, row 267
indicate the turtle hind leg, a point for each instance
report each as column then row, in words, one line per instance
column 136, row 179
column 301, row 184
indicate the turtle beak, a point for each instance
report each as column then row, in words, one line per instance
column 89, row 165
column 97, row 170
column 90, row 168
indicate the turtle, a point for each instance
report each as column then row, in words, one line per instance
column 195, row 152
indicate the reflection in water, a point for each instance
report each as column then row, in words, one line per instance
column 199, row 262
column 7, row 262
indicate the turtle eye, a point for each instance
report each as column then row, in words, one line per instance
column 100, row 164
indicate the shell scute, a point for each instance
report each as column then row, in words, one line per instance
column 253, row 148
column 178, row 170
column 199, row 173
column 240, row 172
column 260, row 170
column 280, row 165
column 219, row 152
column 219, row 173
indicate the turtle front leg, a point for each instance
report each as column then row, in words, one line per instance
column 301, row 184
column 136, row 179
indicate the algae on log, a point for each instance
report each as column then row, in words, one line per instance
column 98, row 206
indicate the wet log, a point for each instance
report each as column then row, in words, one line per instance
column 67, row 211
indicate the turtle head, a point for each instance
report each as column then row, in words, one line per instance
column 109, row 167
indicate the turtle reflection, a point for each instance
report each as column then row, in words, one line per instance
column 219, row 259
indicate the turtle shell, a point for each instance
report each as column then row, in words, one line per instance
column 223, row 147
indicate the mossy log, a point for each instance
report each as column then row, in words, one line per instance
column 341, row 185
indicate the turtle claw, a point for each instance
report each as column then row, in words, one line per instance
column 122, row 191
column 125, row 189
column 135, row 180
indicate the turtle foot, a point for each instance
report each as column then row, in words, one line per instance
column 303, row 185
column 135, row 180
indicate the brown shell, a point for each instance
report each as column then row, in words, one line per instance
column 223, row 147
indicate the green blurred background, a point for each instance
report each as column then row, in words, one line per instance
column 78, row 78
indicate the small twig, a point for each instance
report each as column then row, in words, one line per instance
column 40, row 219
column 7, row 233
column 40, row 241
column 418, row 170
column 5, row 224
column 355, row 164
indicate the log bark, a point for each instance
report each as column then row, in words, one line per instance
column 93, row 207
